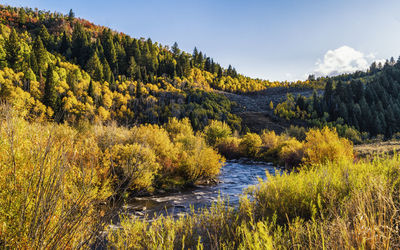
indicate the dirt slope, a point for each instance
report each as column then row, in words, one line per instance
column 255, row 112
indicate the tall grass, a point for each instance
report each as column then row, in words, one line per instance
column 52, row 191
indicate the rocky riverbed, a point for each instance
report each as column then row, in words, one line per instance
column 235, row 176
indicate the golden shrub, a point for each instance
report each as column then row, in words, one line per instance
column 325, row 145
column 229, row 147
column 216, row 131
column 134, row 165
column 157, row 138
column 269, row 139
column 291, row 153
column 250, row 144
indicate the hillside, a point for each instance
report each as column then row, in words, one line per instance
column 68, row 69
column 368, row 105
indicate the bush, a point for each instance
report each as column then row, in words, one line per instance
column 108, row 136
column 229, row 147
column 291, row 153
column 216, row 131
column 325, row 145
column 177, row 127
column 298, row 132
column 250, row 145
column 158, row 139
column 199, row 161
column 353, row 135
column 134, row 165
column 52, row 186
column 270, row 140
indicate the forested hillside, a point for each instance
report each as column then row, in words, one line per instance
column 368, row 102
column 56, row 66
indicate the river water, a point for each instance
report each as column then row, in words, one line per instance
column 234, row 177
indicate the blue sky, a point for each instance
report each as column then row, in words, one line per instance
column 275, row 40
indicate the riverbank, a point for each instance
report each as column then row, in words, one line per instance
column 332, row 205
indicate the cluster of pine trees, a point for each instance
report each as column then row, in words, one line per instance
column 368, row 102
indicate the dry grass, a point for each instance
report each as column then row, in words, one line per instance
column 378, row 148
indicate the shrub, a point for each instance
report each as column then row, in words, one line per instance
column 52, row 186
column 177, row 127
column 298, row 132
column 216, row 131
column 108, row 136
column 325, row 145
column 229, row 147
column 291, row 153
column 197, row 160
column 158, row 139
column 250, row 144
column 270, row 140
column 353, row 135
column 133, row 164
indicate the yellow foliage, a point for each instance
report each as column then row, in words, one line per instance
column 325, row 145
column 270, row 140
column 250, row 144
column 291, row 153
column 135, row 165
column 157, row 139
column 216, row 131
column 51, row 185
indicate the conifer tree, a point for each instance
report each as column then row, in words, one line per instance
column 109, row 50
column 175, row 49
column 91, row 90
column 14, row 51
column 138, row 90
column 71, row 15
column 50, row 94
column 65, row 43
column 132, row 68
column 45, row 36
column 40, row 55
column 94, row 67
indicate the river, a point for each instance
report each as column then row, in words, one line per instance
column 234, row 177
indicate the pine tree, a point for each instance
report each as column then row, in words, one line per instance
column 14, row 51
column 40, row 55
column 175, row 49
column 71, row 15
column 185, row 65
column 3, row 57
column 80, row 45
column 94, row 67
column 65, row 43
column 45, row 36
column 195, row 56
column 220, row 73
column 50, row 94
column 132, row 68
column 138, row 90
column 207, row 64
column 108, row 75
column 109, row 50
column 91, row 90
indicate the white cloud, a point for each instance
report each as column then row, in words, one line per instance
column 343, row 60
